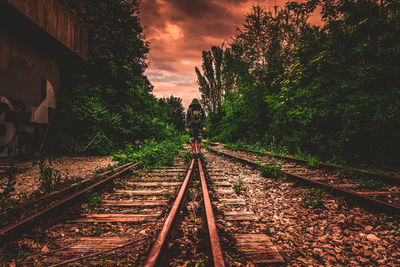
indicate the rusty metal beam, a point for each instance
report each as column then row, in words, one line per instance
column 158, row 248
column 212, row 228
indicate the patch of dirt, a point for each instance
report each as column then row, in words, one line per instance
column 27, row 178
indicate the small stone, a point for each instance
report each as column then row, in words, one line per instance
column 76, row 230
column 367, row 253
column 290, row 229
column 317, row 251
column 45, row 249
column 373, row 238
column 368, row 228
column 338, row 250
column 381, row 249
column 143, row 232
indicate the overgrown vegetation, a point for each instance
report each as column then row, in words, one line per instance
column 7, row 188
column 270, row 170
column 109, row 98
column 330, row 91
column 93, row 198
column 110, row 167
column 50, row 178
column 313, row 198
column 371, row 184
column 238, row 186
column 151, row 153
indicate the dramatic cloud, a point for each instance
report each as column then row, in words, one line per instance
column 179, row 30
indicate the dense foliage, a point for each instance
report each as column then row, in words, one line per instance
column 332, row 91
column 151, row 153
column 109, row 97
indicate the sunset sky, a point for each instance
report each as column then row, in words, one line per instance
column 179, row 30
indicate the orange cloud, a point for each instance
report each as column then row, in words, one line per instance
column 179, row 30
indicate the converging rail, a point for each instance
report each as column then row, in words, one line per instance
column 159, row 248
column 118, row 219
column 15, row 229
column 383, row 176
column 212, row 228
column 381, row 200
column 157, row 251
column 118, row 223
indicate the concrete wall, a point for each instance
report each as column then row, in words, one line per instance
column 36, row 38
column 59, row 22
column 24, row 66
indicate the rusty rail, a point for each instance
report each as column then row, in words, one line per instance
column 25, row 224
column 383, row 176
column 158, row 248
column 212, row 228
column 157, row 252
column 370, row 202
column 67, row 190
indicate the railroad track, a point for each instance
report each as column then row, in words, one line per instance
column 248, row 245
column 379, row 191
column 103, row 224
column 156, row 217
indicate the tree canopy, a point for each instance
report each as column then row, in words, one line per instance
column 110, row 96
column 330, row 91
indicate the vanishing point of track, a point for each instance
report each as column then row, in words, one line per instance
column 72, row 195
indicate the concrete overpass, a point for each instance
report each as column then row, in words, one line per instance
column 36, row 38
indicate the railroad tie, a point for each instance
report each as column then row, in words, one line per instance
column 258, row 248
column 240, row 216
column 233, row 201
column 134, row 203
column 143, row 192
column 223, row 183
column 115, row 218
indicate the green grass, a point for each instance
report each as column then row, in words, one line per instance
column 313, row 198
column 151, row 154
column 271, row 171
column 238, row 186
column 371, row 184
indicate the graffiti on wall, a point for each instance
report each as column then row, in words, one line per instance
column 23, row 123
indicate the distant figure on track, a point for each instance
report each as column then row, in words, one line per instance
column 195, row 120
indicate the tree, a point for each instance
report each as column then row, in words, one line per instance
column 110, row 96
column 210, row 82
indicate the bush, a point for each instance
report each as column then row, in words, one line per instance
column 50, row 178
column 151, row 153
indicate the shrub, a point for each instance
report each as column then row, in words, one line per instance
column 50, row 178
column 150, row 153
column 271, row 171
column 313, row 198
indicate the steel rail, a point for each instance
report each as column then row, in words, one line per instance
column 212, row 228
column 24, row 224
column 69, row 189
column 158, row 248
column 383, row 176
column 378, row 204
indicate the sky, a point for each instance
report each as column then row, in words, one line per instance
column 178, row 32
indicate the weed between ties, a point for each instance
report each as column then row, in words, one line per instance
column 238, row 186
column 271, row 171
column 313, row 198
